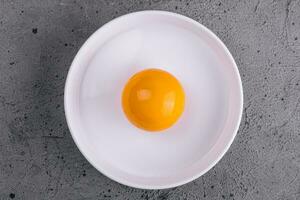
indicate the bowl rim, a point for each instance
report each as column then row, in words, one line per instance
column 236, row 126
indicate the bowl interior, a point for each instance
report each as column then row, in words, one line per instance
column 174, row 43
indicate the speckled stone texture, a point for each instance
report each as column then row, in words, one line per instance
column 38, row 158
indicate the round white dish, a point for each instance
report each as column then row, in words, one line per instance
column 184, row 48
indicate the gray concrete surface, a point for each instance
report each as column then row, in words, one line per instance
column 39, row 160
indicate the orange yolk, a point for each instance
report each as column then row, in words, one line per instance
column 153, row 100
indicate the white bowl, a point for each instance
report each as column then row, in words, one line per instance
column 174, row 43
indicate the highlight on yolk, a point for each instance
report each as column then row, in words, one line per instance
column 153, row 100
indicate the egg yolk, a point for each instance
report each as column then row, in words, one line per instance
column 153, row 100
